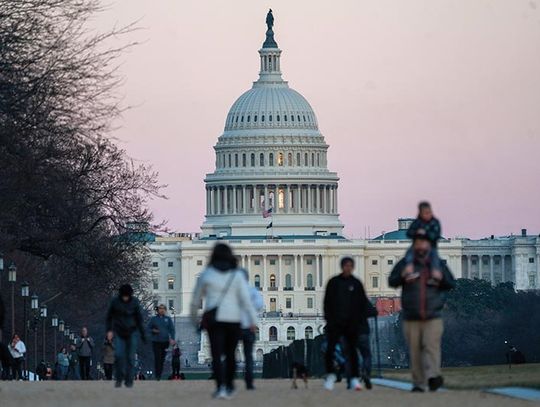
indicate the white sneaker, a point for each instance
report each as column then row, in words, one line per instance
column 221, row 394
column 355, row 384
column 330, row 381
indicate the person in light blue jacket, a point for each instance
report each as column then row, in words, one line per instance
column 248, row 336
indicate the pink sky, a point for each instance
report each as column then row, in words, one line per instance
column 430, row 99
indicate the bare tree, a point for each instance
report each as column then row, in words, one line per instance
column 73, row 206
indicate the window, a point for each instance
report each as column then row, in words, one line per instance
column 230, row 161
column 271, row 159
column 255, row 119
column 269, row 117
column 484, row 261
column 473, row 261
column 298, row 159
column 257, row 281
column 155, row 264
column 170, row 264
column 253, row 160
column 306, row 159
column 272, row 280
column 281, row 199
column 280, row 159
column 272, row 334
column 497, row 261
column 244, row 160
column 309, row 280
column 291, row 334
column 308, row 333
column 375, row 282
column 288, row 281
column 171, row 305
column 262, row 118
column 374, row 262
column 261, row 160
column 531, row 259
column 318, row 160
column 257, row 331
column 532, row 281
column 288, row 302
column 242, row 119
column 272, row 262
column 257, row 262
column 199, row 262
column 313, row 159
column 236, row 160
column 292, row 117
column 309, row 302
column 285, row 117
column 249, row 117
column 390, row 262
column 155, row 283
column 277, row 117
column 170, row 283
column 309, row 262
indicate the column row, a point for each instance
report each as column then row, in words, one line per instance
column 282, row 198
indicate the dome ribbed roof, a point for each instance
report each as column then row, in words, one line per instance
column 271, row 106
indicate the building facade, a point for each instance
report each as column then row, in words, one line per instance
column 273, row 198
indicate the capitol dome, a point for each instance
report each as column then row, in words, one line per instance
column 271, row 175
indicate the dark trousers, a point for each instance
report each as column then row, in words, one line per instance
column 224, row 337
column 248, row 340
column 124, row 357
column 84, row 364
column 160, row 351
column 175, row 368
column 16, row 368
column 108, row 367
column 5, row 361
column 365, row 350
column 349, row 333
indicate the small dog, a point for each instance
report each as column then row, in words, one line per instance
column 299, row 371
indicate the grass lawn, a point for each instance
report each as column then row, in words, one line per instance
column 478, row 377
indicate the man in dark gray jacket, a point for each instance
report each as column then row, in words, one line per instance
column 161, row 328
column 85, row 349
column 422, row 301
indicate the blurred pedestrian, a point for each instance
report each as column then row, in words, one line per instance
column 85, row 347
column 162, row 333
column 62, row 364
column 248, row 335
column 17, row 350
column 5, row 355
column 345, row 309
column 124, row 320
column 175, row 362
column 226, row 295
column 74, row 369
column 422, row 301
column 107, row 353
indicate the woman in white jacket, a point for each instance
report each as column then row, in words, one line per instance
column 226, row 298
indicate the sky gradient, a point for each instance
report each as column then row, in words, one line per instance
column 431, row 99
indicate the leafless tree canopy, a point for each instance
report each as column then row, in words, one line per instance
column 73, row 206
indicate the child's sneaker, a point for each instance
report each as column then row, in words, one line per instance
column 330, row 381
column 355, row 384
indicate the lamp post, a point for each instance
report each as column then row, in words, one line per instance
column 61, row 327
column 12, row 278
column 25, row 293
column 43, row 315
column 34, row 305
column 54, row 324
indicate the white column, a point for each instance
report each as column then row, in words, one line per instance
column 302, row 285
column 266, row 197
column 316, row 276
column 280, row 273
column 469, row 266
column 336, row 199
column 296, row 279
column 309, row 199
column 226, row 199
column 244, row 199
column 234, row 191
column 287, row 198
column 218, row 190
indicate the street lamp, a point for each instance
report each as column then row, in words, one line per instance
column 25, row 293
column 43, row 315
column 12, row 278
column 54, row 324
column 34, row 305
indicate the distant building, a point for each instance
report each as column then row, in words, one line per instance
column 274, row 200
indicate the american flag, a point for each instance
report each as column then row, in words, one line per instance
column 267, row 213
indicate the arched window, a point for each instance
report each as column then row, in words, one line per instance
column 242, row 119
column 261, row 159
column 313, row 159
column 318, row 160
column 257, row 281
column 269, row 117
column 272, row 281
column 298, row 117
column 244, row 160
column 277, row 117
column 262, row 118
column 304, row 116
column 272, row 334
column 281, row 199
column 236, row 120
column 292, row 117
column 289, row 160
column 308, row 333
column 288, row 281
column 259, row 355
column 285, row 117
column 255, row 118
column 249, row 117
column 271, row 159
column 291, row 333
column 298, row 159
column 280, row 159
column 306, row 160
column 236, row 160
column 252, row 159
column 309, row 280
column 230, row 161
column 257, row 334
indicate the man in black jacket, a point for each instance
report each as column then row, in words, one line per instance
column 124, row 319
column 422, row 302
column 346, row 310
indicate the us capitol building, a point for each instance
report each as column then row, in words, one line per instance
column 274, row 199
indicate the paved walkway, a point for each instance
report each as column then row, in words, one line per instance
column 271, row 393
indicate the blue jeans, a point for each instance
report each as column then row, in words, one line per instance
column 62, row 372
column 124, row 353
column 248, row 340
